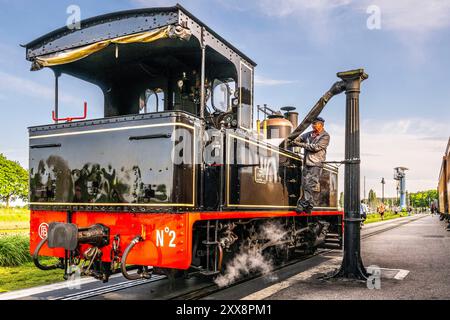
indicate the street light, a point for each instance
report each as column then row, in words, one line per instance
column 382, row 190
column 400, row 176
column 397, row 200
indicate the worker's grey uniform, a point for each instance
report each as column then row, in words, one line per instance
column 315, row 152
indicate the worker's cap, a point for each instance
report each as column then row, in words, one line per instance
column 319, row 119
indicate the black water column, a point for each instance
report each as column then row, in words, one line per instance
column 352, row 266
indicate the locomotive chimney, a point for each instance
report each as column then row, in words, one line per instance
column 290, row 115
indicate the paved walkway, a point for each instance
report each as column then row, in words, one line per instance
column 416, row 265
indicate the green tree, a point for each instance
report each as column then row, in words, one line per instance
column 372, row 198
column 13, row 181
column 422, row 199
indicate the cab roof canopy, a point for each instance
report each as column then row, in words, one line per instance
column 136, row 48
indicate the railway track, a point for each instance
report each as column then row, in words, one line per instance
column 110, row 288
column 213, row 288
column 208, row 288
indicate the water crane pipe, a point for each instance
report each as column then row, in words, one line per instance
column 337, row 88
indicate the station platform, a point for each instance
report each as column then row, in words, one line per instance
column 412, row 254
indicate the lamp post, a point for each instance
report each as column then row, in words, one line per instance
column 365, row 190
column 398, row 201
column 382, row 190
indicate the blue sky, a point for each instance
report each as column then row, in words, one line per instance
column 299, row 46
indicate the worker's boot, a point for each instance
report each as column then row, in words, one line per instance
column 303, row 207
column 299, row 209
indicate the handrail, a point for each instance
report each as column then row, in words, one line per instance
column 70, row 119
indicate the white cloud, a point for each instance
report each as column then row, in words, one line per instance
column 412, row 21
column 20, row 155
column 424, row 129
column 400, row 15
column 10, row 53
column 282, row 8
column 16, row 84
column 416, row 16
column 315, row 16
column 263, row 81
column 153, row 3
column 417, row 144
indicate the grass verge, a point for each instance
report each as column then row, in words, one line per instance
column 27, row 276
column 375, row 217
column 14, row 215
column 14, row 221
column 17, row 271
column 14, row 250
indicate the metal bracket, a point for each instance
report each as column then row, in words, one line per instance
column 353, row 219
column 347, row 161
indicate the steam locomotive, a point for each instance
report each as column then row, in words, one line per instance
column 174, row 177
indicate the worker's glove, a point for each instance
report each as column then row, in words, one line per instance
column 291, row 142
column 296, row 143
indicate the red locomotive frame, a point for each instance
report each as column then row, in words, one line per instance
column 149, row 252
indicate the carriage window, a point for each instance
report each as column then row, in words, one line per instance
column 222, row 94
column 151, row 101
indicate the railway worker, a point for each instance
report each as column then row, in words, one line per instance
column 381, row 209
column 409, row 210
column 433, row 208
column 363, row 211
column 314, row 144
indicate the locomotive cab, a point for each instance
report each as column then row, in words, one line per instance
column 152, row 60
column 173, row 176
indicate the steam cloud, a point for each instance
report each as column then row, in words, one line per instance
column 272, row 231
column 250, row 260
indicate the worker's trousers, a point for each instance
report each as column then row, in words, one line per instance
column 310, row 186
